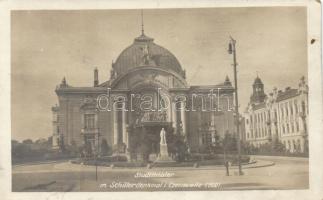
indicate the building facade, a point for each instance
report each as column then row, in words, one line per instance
column 280, row 116
column 147, row 91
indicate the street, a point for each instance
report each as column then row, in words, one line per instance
column 286, row 173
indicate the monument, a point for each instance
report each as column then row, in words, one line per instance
column 163, row 150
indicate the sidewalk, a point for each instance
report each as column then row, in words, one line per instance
column 68, row 166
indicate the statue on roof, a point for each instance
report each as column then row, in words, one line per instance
column 302, row 86
column 145, row 56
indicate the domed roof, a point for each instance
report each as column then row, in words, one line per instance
column 257, row 81
column 144, row 52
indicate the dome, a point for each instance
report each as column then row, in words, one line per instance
column 257, row 81
column 144, row 52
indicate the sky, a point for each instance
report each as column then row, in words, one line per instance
column 48, row 45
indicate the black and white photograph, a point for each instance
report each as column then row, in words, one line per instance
column 174, row 100
column 154, row 100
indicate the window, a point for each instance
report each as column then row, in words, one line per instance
column 206, row 138
column 296, row 108
column 89, row 121
column 287, row 128
column 294, row 145
column 261, row 119
column 297, row 126
column 303, row 107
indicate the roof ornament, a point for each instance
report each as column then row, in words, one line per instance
column 142, row 23
column 227, row 81
column 302, row 86
column 63, row 83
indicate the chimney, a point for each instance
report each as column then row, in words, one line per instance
column 96, row 77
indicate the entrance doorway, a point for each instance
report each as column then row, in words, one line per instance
column 144, row 139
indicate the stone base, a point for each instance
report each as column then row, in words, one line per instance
column 127, row 155
column 164, row 159
column 163, row 156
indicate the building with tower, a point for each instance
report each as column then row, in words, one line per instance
column 147, row 91
column 280, row 116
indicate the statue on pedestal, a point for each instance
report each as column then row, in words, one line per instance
column 163, row 153
column 163, row 137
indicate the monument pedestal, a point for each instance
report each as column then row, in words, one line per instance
column 163, row 156
column 163, row 151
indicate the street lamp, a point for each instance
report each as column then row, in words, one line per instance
column 97, row 154
column 232, row 50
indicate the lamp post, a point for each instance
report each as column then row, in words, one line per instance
column 232, row 50
column 97, row 154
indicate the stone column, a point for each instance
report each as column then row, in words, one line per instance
column 174, row 117
column 115, row 127
column 199, row 119
column 124, row 126
column 183, row 118
column 302, row 145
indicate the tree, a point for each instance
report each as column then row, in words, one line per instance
column 61, row 144
column 50, row 141
column 105, row 149
column 177, row 147
column 278, row 146
column 27, row 141
column 73, row 149
column 229, row 143
column 14, row 142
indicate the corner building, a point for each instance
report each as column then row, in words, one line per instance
column 280, row 116
column 145, row 69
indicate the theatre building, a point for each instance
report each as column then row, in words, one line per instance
column 280, row 116
column 147, row 91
